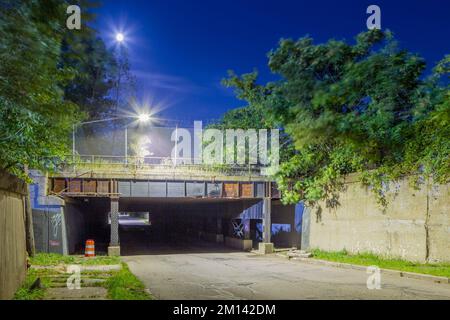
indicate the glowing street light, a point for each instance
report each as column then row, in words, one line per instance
column 120, row 37
column 144, row 117
column 141, row 118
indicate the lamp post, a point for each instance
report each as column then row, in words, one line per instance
column 142, row 118
column 120, row 38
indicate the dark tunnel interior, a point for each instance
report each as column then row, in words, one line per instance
column 147, row 223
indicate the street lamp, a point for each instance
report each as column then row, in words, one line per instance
column 120, row 37
column 142, row 118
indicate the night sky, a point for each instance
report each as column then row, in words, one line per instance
column 180, row 50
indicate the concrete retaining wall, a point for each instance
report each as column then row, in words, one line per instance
column 48, row 217
column 240, row 244
column 415, row 225
column 75, row 227
column 13, row 254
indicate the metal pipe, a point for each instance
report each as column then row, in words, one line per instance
column 176, row 144
column 126, row 144
column 73, row 141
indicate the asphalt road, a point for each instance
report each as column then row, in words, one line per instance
column 203, row 272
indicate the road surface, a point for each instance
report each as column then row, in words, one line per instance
column 191, row 272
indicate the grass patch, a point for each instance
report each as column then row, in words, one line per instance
column 53, row 259
column 120, row 284
column 369, row 259
column 123, row 285
column 25, row 292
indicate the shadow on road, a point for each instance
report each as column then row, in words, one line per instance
column 143, row 240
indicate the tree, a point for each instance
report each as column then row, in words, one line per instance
column 95, row 75
column 35, row 119
column 351, row 108
column 50, row 78
column 97, row 69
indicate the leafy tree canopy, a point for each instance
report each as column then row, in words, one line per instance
column 50, row 78
column 361, row 107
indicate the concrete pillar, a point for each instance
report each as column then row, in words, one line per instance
column 266, row 246
column 267, row 223
column 114, row 245
column 306, row 223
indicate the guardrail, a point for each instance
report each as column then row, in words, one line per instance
column 165, row 164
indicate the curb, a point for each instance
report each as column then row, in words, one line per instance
column 62, row 268
column 109, row 267
column 403, row 274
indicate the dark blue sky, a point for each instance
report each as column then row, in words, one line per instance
column 180, row 50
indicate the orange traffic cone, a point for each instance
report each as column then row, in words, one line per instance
column 90, row 248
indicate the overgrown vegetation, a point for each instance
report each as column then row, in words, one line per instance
column 120, row 284
column 369, row 259
column 53, row 259
column 50, row 79
column 124, row 285
column 364, row 107
column 25, row 292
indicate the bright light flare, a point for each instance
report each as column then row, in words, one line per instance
column 144, row 113
column 144, row 117
column 120, row 37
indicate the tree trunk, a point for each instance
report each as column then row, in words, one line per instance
column 29, row 222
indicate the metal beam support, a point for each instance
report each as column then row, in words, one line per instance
column 114, row 246
column 267, row 223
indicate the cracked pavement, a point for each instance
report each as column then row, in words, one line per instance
column 210, row 272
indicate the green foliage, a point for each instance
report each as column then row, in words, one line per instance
column 35, row 119
column 50, row 78
column 370, row 259
column 95, row 70
column 351, row 108
column 123, row 285
column 241, row 118
column 53, row 259
column 26, row 293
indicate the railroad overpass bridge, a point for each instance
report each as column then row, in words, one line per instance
column 233, row 205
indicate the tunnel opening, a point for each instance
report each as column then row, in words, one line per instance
column 87, row 218
column 181, row 225
column 155, row 225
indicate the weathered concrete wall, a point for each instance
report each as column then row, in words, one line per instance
column 75, row 227
column 48, row 216
column 63, row 225
column 415, row 225
column 285, row 214
column 439, row 223
column 12, row 235
column 240, row 244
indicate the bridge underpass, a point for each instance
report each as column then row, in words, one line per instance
column 237, row 207
column 178, row 222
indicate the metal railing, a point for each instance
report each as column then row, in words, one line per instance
column 160, row 164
